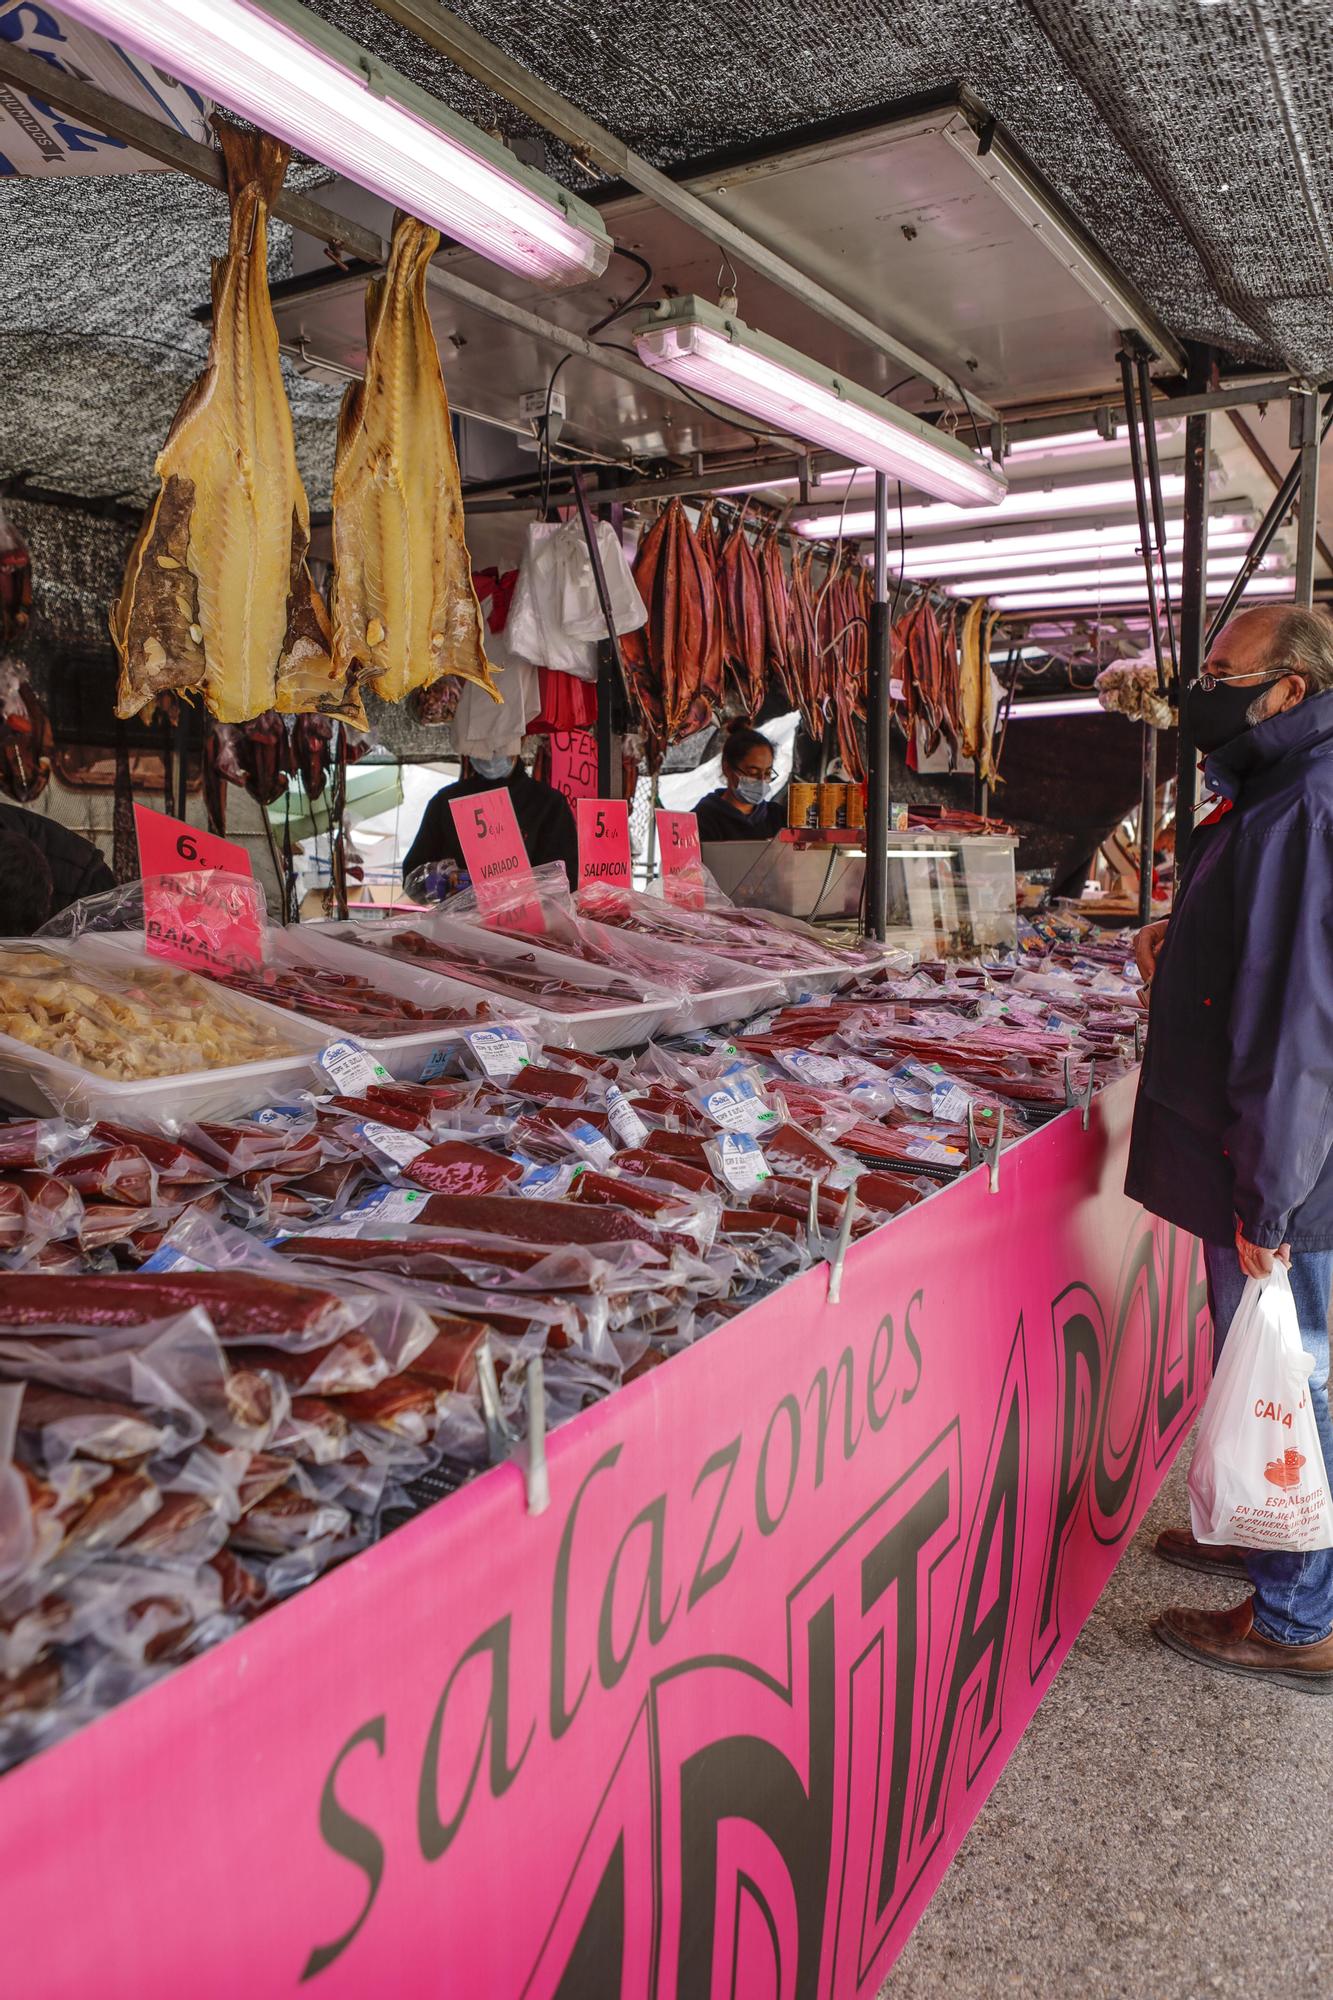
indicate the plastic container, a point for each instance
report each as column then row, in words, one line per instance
column 33, row 1080
column 596, row 1030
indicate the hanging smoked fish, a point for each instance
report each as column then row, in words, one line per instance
column 803, row 644
column 777, row 615
column 404, row 610
column 742, row 593
column 217, row 599
column 666, row 660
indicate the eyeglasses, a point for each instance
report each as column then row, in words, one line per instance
column 1209, row 681
column 749, row 771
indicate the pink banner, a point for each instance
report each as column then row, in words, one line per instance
column 715, row 1722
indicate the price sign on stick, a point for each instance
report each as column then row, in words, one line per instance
column 574, row 763
column 682, row 861
column 191, row 914
column 497, row 860
column 604, row 842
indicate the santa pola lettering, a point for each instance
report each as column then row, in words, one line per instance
column 909, row 1642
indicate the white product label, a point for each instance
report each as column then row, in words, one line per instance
column 737, row 1107
column 931, row 1149
column 386, row 1204
column 280, row 1114
column 742, row 1161
column 948, row 1101
column 168, row 1258
column 594, row 1143
column 500, row 1051
column 897, row 691
column 548, row 1183
column 626, row 1123
column 350, row 1067
column 807, row 1067
column 394, row 1143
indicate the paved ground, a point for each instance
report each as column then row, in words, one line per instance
column 1161, row 1832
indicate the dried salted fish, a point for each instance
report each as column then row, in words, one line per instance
column 217, row 599
column 404, row 610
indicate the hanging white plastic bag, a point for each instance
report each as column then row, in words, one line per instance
column 1258, row 1478
column 555, row 617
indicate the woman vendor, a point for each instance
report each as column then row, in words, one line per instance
column 741, row 809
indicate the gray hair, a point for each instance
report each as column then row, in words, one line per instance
column 1302, row 641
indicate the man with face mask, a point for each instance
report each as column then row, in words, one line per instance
column 544, row 818
column 1233, row 1129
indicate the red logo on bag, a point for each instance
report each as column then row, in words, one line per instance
column 1285, row 1471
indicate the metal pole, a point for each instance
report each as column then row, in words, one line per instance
column 608, row 690
column 1266, row 530
column 1141, row 504
column 1305, row 435
column 877, row 726
column 1193, row 616
column 1147, row 821
column 1158, row 510
column 614, row 669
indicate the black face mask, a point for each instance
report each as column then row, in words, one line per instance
column 1217, row 715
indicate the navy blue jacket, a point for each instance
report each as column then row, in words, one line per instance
column 1234, row 1119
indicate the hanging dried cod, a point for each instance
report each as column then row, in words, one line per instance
column 217, row 599
column 404, row 610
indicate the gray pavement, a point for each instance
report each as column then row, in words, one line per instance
column 1161, row 1832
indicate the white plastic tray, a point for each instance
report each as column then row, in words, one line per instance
column 34, row 1081
column 596, row 1031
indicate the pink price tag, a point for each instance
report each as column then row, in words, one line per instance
column 574, row 763
column 497, row 860
column 682, row 861
column 604, row 842
column 192, row 914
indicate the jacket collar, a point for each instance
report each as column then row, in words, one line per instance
column 1297, row 732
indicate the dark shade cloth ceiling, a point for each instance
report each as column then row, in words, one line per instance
column 1191, row 140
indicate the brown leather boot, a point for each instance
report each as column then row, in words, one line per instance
column 1228, row 1641
column 1178, row 1546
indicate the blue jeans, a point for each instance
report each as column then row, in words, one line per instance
column 1293, row 1594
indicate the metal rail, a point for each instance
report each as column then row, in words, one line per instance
column 879, row 669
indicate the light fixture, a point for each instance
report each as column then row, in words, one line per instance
column 1032, row 552
column 1112, row 577
column 714, row 353
column 1036, row 598
column 283, row 68
column 1032, row 711
column 1107, row 496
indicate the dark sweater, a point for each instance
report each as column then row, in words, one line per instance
column 544, row 820
column 721, row 819
column 77, row 868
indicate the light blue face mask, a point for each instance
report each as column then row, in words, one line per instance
column 753, row 790
column 494, row 768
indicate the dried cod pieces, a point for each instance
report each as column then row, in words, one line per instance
column 404, row 610
column 217, row 598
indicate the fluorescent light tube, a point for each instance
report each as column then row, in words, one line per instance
column 1035, row 598
column 1091, row 581
column 1031, row 711
column 1106, row 496
column 1028, row 553
column 283, row 69
column 717, row 355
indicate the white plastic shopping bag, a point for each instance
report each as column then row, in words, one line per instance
column 1258, row 1477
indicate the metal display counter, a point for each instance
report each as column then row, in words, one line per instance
column 948, row 892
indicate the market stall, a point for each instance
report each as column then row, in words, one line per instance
column 556, row 1423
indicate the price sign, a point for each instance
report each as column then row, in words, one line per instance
column 604, row 842
column 574, row 763
column 682, row 861
column 496, row 858
column 210, row 923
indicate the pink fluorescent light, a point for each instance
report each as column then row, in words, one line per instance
column 1036, row 598
column 1111, row 578
column 1027, row 553
column 1103, row 497
column 715, row 354
column 286, row 71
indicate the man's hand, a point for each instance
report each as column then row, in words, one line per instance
column 1256, row 1262
column 1147, row 944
